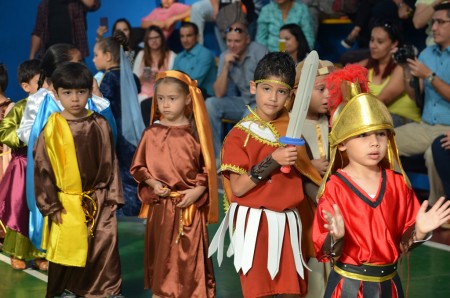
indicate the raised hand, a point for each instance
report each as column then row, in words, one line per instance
column 427, row 221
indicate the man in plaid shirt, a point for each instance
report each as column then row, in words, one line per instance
column 61, row 21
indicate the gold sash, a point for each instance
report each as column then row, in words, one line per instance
column 66, row 243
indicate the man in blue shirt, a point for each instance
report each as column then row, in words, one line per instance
column 196, row 60
column 232, row 87
column 432, row 70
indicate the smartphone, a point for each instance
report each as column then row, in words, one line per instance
column 147, row 73
column 104, row 21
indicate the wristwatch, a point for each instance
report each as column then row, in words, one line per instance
column 430, row 78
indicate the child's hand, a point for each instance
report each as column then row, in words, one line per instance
column 321, row 165
column 434, row 218
column 96, row 89
column 335, row 223
column 285, row 156
column 190, row 196
column 158, row 188
column 56, row 216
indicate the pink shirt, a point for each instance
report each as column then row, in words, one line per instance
column 162, row 14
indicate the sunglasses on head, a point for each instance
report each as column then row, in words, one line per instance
column 235, row 29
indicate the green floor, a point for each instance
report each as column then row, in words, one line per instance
column 429, row 271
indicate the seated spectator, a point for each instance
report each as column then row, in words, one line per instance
column 203, row 11
column 431, row 68
column 275, row 14
column 441, row 156
column 166, row 16
column 295, row 43
column 386, row 77
column 123, row 25
column 422, row 17
column 319, row 10
column 155, row 57
column 369, row 10
column 196, row 60
column 232, row 86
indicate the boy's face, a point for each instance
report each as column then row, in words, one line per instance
column 31, row 87
column 270, row 98
column 73, row 101
column 366, row 149
column 319, row 99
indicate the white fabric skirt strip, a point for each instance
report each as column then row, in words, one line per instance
column 243, row 241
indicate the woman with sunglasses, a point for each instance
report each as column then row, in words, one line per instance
column 155, row 57
column 386, row 76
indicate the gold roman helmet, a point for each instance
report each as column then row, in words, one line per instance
column 361, row 114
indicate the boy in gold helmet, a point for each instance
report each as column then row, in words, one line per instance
column 367, row 213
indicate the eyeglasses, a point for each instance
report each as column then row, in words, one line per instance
column 440, row 22
column 235, row 29
column 154, row 37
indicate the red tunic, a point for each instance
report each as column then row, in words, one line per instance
column 372, row 233
column 241, row 150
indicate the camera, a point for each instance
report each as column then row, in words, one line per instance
column 405, row 52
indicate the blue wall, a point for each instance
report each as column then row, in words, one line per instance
column 17, row 18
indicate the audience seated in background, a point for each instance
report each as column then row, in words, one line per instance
column 123, row 25
column 203, row 11
column 155, row 57
column 295, row 43
column 196, row 61
column 166, row 16
column 431, row 68
column 232, row 87
column 275, row 14
column 422, row 17
column 385, row 76
column 375, row 9
column 319, row 10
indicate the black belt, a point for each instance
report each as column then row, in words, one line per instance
column 373, row 273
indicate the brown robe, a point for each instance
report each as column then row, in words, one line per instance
column 99, row 170
column 171, row 155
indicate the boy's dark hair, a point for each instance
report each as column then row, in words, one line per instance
column 191, row 25
column 27, row 70
column 112, row 45
column 72, row 75
column 56, row 54
column 3, row 78
column 276, row 64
